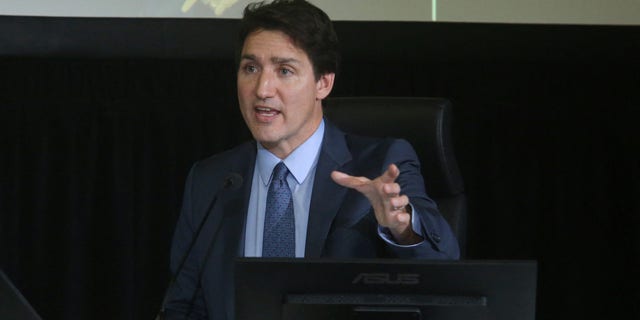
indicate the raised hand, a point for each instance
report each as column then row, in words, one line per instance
column 392, row 209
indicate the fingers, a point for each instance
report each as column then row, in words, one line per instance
column 390, row 174
column 392, row 194
column 388, row 193
column 384, row 183
column 391, row 208
column 391, row 189
column 398, row 203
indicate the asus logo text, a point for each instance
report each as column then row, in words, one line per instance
column 387, row 278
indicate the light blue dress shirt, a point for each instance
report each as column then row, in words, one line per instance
column 302, row 167
column 302, row 164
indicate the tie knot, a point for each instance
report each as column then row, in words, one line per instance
column 280, row 171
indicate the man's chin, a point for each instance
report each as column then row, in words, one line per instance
column 266, row 141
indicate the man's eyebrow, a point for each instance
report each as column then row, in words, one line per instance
column 279, row 60
column 248, row 57
column 274, row 60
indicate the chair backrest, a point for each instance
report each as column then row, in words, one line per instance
column 426, row 124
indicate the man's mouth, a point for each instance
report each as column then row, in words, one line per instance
column 266, row 112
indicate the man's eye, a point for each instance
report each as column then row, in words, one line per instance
column 250, row 68
column 285, row 72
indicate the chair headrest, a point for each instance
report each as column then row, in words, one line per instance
column 424, row 122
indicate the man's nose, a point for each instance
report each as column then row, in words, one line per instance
column 266, row 85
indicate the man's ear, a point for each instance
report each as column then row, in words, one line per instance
column 324, row 85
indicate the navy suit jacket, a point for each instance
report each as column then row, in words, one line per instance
column 341, row 220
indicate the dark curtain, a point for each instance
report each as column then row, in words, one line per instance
column 94, row 155
column 550, row 155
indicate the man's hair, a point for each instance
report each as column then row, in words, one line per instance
column 309, row 28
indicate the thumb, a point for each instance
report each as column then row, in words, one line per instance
column 348, row 181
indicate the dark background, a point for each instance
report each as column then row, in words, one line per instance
column 100, row 120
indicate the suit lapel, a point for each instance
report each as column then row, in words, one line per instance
column 233, row 206
column 327, row 196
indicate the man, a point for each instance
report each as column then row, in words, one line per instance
column 345, row 196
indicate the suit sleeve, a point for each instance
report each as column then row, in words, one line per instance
column 439, row 241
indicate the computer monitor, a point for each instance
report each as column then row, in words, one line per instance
column 304, row 289
column 12, row 304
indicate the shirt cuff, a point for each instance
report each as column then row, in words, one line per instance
column 386, row 235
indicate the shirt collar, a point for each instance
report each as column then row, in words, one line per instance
column 299, row 162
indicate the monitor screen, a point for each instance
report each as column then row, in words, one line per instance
column 12, row 304
column 287, row 289
column 620, row 12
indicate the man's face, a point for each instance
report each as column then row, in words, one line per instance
column 279, row 97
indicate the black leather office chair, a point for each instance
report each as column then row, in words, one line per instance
column 426, row 124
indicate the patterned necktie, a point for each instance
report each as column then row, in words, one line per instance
column 279, row 227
